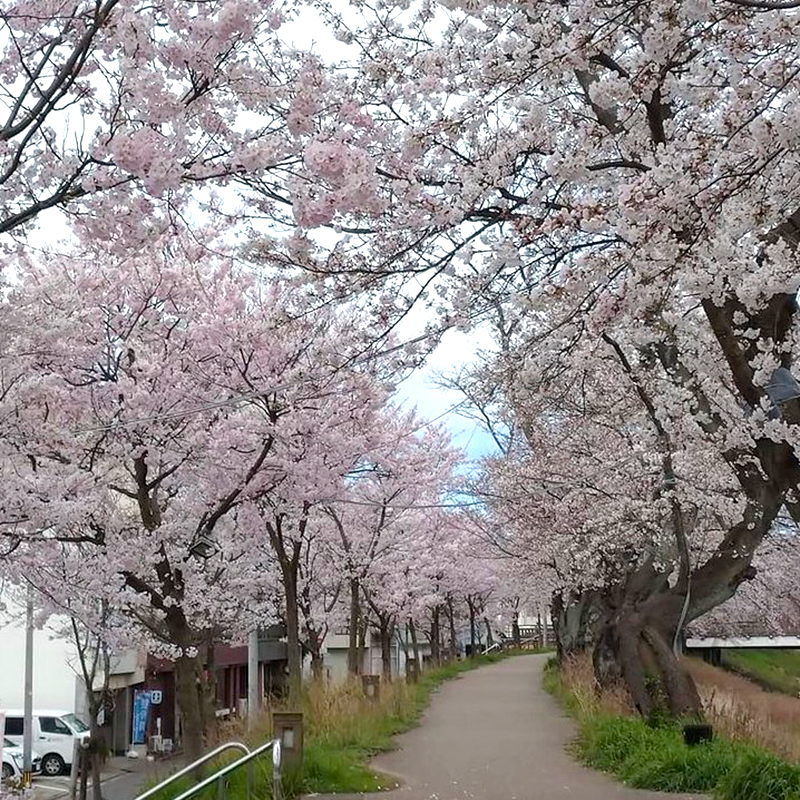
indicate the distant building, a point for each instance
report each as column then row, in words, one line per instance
column 142, row 711
column 336, row 645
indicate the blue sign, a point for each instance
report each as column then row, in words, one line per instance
column 141, row 710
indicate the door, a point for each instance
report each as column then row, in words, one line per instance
column 54, row 736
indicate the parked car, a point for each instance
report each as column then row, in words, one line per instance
column 54, row 734
column 13, row 761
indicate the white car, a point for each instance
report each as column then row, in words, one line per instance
column 13, row 761
column 54, row 735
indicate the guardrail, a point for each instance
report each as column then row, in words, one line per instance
column 221, row 774
column 510, row 643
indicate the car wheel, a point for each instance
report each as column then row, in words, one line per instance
column 7, row 772
column 52, row 764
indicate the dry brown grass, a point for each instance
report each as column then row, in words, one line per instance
column 577, row 674
column 327, row 708
column 744, row 712
column 737, row 707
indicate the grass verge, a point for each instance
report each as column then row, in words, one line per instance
column 776, row 670
column 343, row 730
column 655, row 757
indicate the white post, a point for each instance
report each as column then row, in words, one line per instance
column 253, row 697
column 2, row 738
column 27, row 730
column 73, row 772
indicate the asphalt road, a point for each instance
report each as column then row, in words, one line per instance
column 123, row 779
column 495, row 734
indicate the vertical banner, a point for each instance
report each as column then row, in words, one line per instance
column 141, row 711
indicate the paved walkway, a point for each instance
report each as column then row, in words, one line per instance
column 495, row 734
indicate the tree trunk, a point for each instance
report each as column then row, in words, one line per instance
column 635, row 643
column 434, row 636
column 95, row 754
column 578, row 620
column 353, row 666
column 208, row 705
column 294, row 658
column 472, row 637
column 386, row 631
column 84, row 777
column 363, row 629
column 515, row 632
column 187, row 689
column 489, row 635
column 412, row 630
column 451, row 620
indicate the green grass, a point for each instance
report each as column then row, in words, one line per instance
column 656, row 757
column 343, row 730
column 776, row 670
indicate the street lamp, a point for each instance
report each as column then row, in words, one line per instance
column 203, row 546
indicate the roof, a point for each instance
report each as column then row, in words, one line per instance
column 37, row 712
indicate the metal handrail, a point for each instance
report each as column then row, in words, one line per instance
column 194, row 765
column 274, row 744
column 500, row 645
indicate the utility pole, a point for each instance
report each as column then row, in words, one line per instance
column 27, row 730
column 252, row 679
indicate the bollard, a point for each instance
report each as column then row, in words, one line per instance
column 277, row 782
column 412, row 670
column 372, row 687
column 73, row 772
column 287, row 728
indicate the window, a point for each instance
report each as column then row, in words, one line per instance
column 13, row 726
column 75, row 723
column 53, row 725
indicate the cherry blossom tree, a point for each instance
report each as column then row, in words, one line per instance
column 153, row 402
column 324, row 435
column 617, row 181
column 116, row 111
column 383, row 517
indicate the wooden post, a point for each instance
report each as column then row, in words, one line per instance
column 287, row 726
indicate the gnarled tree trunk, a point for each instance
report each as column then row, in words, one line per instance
column 578, row 619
